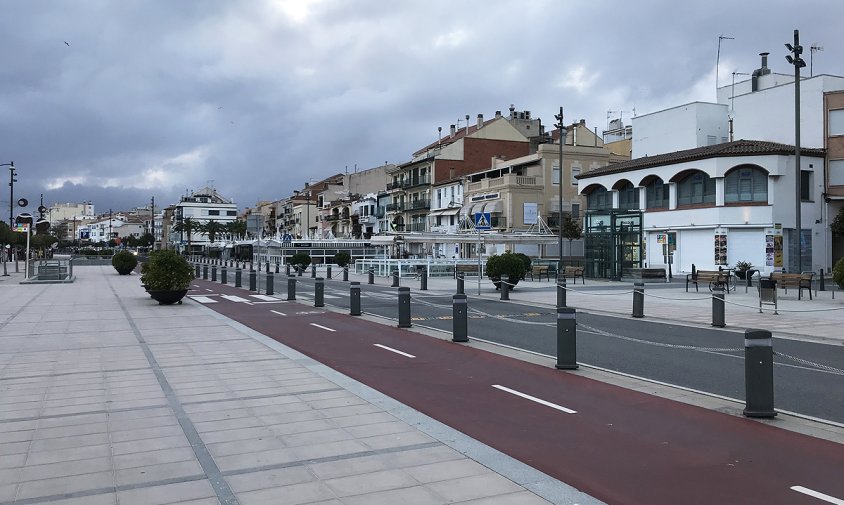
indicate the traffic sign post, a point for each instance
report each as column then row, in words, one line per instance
column 482, row 220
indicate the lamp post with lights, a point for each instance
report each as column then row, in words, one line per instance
column 794, row 58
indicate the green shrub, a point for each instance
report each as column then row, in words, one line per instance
column 838, row 273
column 342, row 258
column 526, row 261
column 301, row 259
column 507, row 265
column 124, row 262
column 88, row 252
column 166, row 270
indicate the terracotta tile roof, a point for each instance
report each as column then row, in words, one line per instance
column 736, row 148
column 448, row 139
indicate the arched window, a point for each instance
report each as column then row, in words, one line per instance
column 656, row 194
column 628, row 196
column 696, row 188
column 599, row 199
column 746, row 184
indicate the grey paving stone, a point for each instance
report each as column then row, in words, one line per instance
column 396, row 440
column 244, row 422
column 522, row 498
column 52, row 444
column 117, row 424
column 329, row 449
column 417, row 457
column 146, row 433
column 14, row 448
column 154, row 457
column 72, row 430
column 64, row 485
column 370, row 430
column 255, row 459
column 99, row 499
column 158, row 472
column 478, row 486
column 72, row 454
column 362, row 419
column 370, row 482
column 269, row 479
column 294, row 494
column 170, row 493
column 149, row 444
column 417, row 495
column 246, row 445
column 316, row 437
column 7, row 492
column 446, row 470
column 236, row 434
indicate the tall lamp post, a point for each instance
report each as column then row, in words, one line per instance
column 12, row 182
column 559, row 124
column 795, row 59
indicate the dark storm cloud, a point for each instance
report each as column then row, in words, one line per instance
column 153, row 98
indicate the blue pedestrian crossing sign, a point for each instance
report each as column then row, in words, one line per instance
column 482, row 220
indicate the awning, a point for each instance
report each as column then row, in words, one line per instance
column 494, row 206
column 447, row 212
column 382, row 239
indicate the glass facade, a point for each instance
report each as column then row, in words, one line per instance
column 613, row 243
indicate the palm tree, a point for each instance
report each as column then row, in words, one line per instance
column 236, row 229
column 212, row 229
column 189, row 226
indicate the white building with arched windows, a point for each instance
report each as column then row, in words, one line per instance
column 719, row 204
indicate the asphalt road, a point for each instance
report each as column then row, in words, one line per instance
column 691, row 357
column 621, row 446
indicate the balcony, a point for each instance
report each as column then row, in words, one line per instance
column 395, row 207
column 417, row 227
column 417, row 181
column 506, row 180
column 422, row 203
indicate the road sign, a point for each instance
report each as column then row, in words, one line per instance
column 482, row 220
column 21, row 227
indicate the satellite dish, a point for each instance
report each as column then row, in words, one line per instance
column 23, row 202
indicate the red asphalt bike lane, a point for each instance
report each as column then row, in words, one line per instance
column 621, row 446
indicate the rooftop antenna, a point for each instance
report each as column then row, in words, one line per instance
column 812, row 50
column 718, row 58
column 733, row 91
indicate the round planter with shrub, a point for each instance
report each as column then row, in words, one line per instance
column 300, row 260
column 342, row 259
column 124, row 262
column 505, row 266
column 167, row 276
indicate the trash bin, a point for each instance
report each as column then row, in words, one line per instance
column 767, row 294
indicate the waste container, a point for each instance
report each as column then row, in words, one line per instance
column 767, row 294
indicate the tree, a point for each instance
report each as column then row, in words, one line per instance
column 6, row 237
column 188, row 226
column 212, row 229
column 236, row 229
column 572, row 230
column 146, row 240
column 837, row 225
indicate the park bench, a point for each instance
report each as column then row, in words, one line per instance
column 465, row 269
column 799, row 281
column 574, row 273
column 539, row 271
column 713, row 278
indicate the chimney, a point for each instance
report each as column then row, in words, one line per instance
column 497, row 114
column 480, row 120
column 467, row 124
column 453, row 131
column 764, row 70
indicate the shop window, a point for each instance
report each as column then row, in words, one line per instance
column 656, row 194
column 746, row 184
column 696, row 188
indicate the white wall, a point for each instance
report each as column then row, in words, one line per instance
column 678, row 128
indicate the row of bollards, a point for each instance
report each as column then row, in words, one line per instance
column 759, row 378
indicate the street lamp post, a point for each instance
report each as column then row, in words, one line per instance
column 795, row 59
column 12, row 182
column 562, row 128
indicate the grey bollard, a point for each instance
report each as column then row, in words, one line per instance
column 205, row 271
column 319, row 292
column 372, row 276
column 328, row 271
column 313, row 271
column 269, row 286
column 214, row 273
column 460, row 329
column 758, row 373
column 718, row 307
column 253, row 280
column 395, row 279
column 224, row 275
column 287, row 269
column 566, row 338
column 561, row 292
column 268, row 267
column 238, row 276
column 821, row 286
column 277, row 268
column 354, row 299
column 198, row 273
column 505, row 290
column 291, row 288
column 638, row 299
column 423, row 279
column 299, row 270
column 460, row 285
column 346, row 274
column 404, row 307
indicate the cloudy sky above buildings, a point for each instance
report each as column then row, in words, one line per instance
column 119, row 101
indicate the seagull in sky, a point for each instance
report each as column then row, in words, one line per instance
column 66, row 43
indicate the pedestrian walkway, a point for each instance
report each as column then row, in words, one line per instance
column 110, row 398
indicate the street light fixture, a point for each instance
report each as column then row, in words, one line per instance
column 794, row 58
column 559, row 124
column 12, row 182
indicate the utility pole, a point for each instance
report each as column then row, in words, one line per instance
column 562, row 128
column 12, row 182
column 794, row 58
column 152, row 220
column 109, row 227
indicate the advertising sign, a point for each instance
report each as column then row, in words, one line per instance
column 530, row 213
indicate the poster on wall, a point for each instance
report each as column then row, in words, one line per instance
column 530, row 213
column 773, row 247
column 720, row 249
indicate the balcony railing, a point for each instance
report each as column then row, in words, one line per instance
column 422, row 203
column 417, row 181
column 417, row 226
column 395, row 207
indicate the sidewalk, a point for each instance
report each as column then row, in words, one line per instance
column 109, row 398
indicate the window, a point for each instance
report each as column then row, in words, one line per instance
column 836, row 172
column 836, row 122
column 628, row 196
column 806, row 179
column 696, row 188
column 213, row 212
column 555, row 173
column 575, row 211
column 656, row 194
column 599, row 199
column 574, row 173
column 746, row 184
column 711, row 140
column 231, row 212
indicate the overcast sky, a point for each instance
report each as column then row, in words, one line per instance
column 116, row 101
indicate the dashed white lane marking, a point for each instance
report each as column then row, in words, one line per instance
column 209, row 290
column 277, row 312
column 265, row 298
column 323, row 327
column 818, row 495
column 235, row 298
column 535, row 399
column 394, row 350
column 203, row 299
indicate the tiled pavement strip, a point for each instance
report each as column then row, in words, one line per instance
column 106, row 398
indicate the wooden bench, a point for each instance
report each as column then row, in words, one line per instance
column 574, row 273
column 539, row 271
column 799, row 281
column 466, row 269
column 713, row 278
